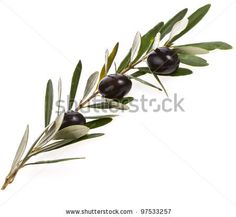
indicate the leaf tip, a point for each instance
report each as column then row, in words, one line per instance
column 117, row 45
column 228, row 47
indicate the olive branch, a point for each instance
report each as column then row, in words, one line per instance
column 55, row 137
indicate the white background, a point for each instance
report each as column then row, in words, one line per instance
column 184, row 161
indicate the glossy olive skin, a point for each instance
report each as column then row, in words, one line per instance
column 72, row 118
column 115, row 86
column 163, row 61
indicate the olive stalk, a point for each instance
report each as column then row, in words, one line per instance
column 11, row 176
column 32, row 151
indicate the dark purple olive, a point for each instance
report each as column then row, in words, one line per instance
column 73, row 118
column 115, row 86
column 163, row 61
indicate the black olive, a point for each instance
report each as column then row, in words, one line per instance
column 115, row 86
column 72, row 118
column 163, row 61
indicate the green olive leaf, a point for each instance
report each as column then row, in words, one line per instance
column 138, row 73
column 59, row 89
column 74, row 84
column 124, row 63
column 106, row 61
column 159, row 81
column 146, row 43
column 179, row 27
column 194, row 19
column 190, row 50
column 209, row 45
column 100, row 116
column 54, row 161
column 144, row 69
column 145, row 82
column 125, row 100
column 48, row 102
column 91, row 82
column 141, row 71
column 192, row 60
column 45, row 135
column 21, row 149
column 110, row 60
column 148, row 39
column 66, row 142
column 50, row 131
column 181, row 72
column 90, row 136
column 156, row 42
column 169, row 25
column 71, row 132
column 135, row 46
column 98, row 123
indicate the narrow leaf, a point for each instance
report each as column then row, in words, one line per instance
column 21, row 149
column 51, row 131
column 125, row 100
column 190, row 50
column 141, row 71
column 144, row 69
column 118, row 105
column 90, row 84
column 40, row 138
column 72, row 132
column 194, row 19
column 59, row 95
column 101, row 116
column 181, row 72
column 159, row 81
column 179, row 27
column 109, row 62
column 90, row 136
column 63, row 143
column 210, row 45
column 146, row 40
column 156, row 41
column 98, row 123
column 169, row 25
column 55, row 145
column 145, row 82
column 74, row 84
column 54, row 161
column 192, row 60
column 138, row 73
column 106, row 61
column 124, row 63
column 135, row 46
column 48, row 102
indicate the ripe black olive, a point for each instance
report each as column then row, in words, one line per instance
column 115, row 86
column 163, row 61
column 72, row 118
